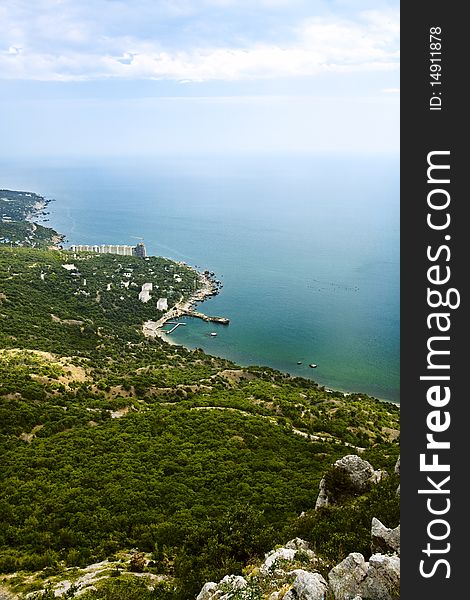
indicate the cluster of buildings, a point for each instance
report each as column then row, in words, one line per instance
column 123, row 250
column 120, row 249
column 144, row 296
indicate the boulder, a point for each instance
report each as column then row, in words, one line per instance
column 383, row 578
column 383, row 539
column 286, row 553
column 322, row 498
column 347, row 577
column 359, row 471
column 307, row 586
column 378, row 579
column 222, row 590
column 234, row 582
column 298, row 544
column 350, row 475
column 208, row 590
column 271, row 560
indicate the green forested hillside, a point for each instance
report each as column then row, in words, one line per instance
column 17, row 209
column 110, row 441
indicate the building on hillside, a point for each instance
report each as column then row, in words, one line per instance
column 144, row 294
column 120, row 249
column 140, row 250
column 162, row 304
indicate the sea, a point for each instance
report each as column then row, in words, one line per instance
column 306, row 249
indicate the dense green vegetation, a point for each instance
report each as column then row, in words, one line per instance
column 16, row 229
column 110, row 441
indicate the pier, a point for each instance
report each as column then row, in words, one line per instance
column 185, row 307
column 199, row 315
column 175, row 325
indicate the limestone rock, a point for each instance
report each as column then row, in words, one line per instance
column 383, row 539
column 346, row 579
column 273, row 558
column 298, row 544
column 354, row 473
column 383, row 578
column 234, row 582
column 307, row 586
column 358, row 470
column 378, row 579
column 377, row 476
column 322, row 498
column 286, row 553
column 208, row 590
column 222, row 590
column 397, row 471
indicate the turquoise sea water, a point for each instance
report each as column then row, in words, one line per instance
column 307, row 250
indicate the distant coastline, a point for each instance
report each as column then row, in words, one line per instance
column 22, row 217
column 247, row 347
column 30, row 206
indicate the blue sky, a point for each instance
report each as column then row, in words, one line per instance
column 146, row 77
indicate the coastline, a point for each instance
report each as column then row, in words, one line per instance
column 209, row 287
column 37, row 213
column 184, row 307
column 154, row 329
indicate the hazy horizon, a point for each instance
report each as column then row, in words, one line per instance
column 114, row 77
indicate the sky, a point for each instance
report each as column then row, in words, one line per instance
column 151, row 77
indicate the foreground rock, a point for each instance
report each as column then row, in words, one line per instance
column 307, row 586
column 346, row 579
column 383, row 539
column 378, row 579
column 397, row 471
column 291, row 573
column 224, row 590
column 281, row 578
column 277, row 561
column 349, row 476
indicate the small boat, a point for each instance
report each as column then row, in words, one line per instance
column 213, row 333
column 299, row 362
column 313, row 365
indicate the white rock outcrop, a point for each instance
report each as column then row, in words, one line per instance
column 359, row 473
column 383, row 578
column 383, row 539
column 307, row 586
column 224, row 590
column 346, row 579
column 208, row 590
column 273, row 560
column 378, row 579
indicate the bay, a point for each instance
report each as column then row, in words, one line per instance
column 307, row 250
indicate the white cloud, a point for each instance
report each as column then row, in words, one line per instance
column 80, row 50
